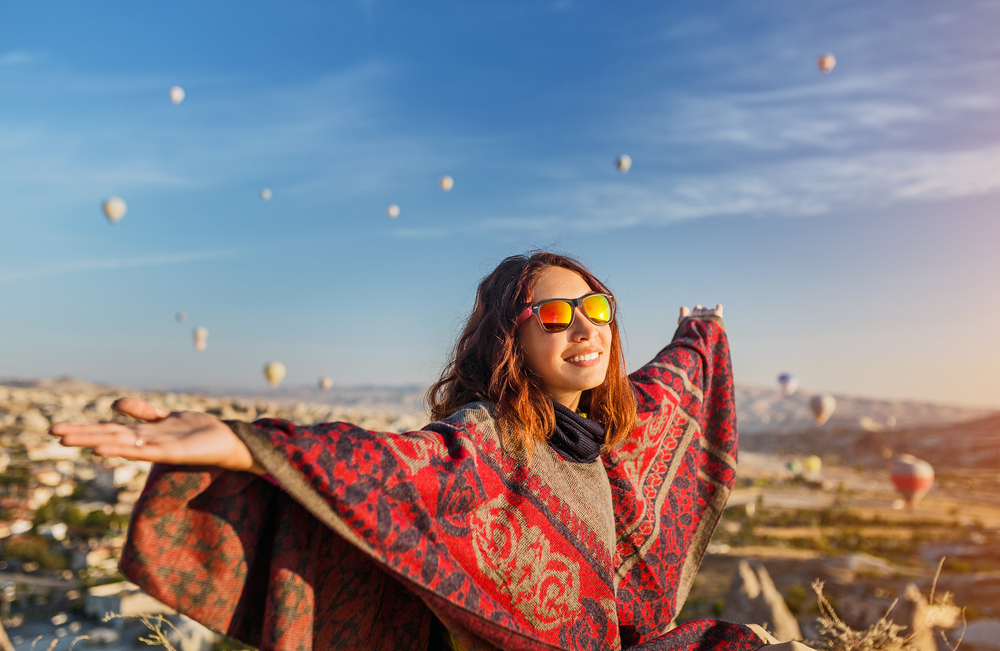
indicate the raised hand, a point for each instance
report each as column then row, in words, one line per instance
column 700, row 311
column 178, row 437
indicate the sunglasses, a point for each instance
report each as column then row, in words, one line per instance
column 557, row 314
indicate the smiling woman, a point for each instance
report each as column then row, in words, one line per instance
column 539, row 364
column 555, row 502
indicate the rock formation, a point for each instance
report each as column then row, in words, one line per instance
column 753, row 599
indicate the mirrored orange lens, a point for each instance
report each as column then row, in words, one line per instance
column 598, row 309
column 555, row 315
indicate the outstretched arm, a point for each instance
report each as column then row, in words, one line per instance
column 175, row 437
column 670, row 478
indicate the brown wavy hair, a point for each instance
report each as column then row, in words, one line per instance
column 488, row 362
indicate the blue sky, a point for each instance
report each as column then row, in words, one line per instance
column 849, row 222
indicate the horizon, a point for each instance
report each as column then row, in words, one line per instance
column 290, row 390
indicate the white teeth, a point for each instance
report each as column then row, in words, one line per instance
column 583, row 358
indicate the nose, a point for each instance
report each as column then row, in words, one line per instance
column 583, row 328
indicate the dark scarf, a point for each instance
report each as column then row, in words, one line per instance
column 576, row 438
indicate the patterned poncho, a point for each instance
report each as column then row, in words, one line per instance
column 363, row 537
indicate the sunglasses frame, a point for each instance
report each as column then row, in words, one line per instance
column 574, row 303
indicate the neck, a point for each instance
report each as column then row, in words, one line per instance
column 570, row 400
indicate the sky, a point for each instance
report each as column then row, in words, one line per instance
column 848, row 221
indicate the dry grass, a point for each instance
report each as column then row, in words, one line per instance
column 157, row 636
column 55, row 641
column 883, row 635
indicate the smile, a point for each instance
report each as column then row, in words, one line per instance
column 584, row 358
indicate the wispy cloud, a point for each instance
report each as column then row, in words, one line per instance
column 17, row 57
column 78, row 266
column 807, row 186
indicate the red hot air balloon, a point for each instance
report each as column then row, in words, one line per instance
column 913, row 477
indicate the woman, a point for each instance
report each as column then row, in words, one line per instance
column 554, row 503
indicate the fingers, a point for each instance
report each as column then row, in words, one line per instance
column 144, row 452
column 762, row 633
column 685, row 313
column 139, row 409
column 700, row 310
column 112, row 440
column 94, row 434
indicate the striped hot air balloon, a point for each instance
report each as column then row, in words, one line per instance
column 912, row 477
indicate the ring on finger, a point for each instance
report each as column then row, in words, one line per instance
column 138, row 441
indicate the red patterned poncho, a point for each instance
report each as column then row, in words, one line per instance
column 371, row 534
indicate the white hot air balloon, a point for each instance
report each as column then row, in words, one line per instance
column 200, row 338
column 789, row 384
column 392, row 211
column 265, row 194
column 447, row 183
column 274, row 372
column 114, row 208
column 624, row 163
column 181, row 317
column 325, row 383
column 176, row 95
column 822, row 407
column 826, row 62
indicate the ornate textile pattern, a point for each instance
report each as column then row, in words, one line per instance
column 671, row 478
column 370, row 532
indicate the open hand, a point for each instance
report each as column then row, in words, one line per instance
column 700, row 311
column 178, row 437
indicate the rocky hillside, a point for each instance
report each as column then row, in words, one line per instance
column 31, row 406
column 766, row 410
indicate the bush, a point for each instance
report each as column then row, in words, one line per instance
column 28, row 549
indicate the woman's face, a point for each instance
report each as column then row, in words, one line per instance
column 556, row 357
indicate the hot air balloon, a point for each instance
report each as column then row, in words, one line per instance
column 114, row 208
column 795, row 467
column 265, row 194
column 181, row 317
column 392, row 211
column 200, row 338
column 447, row 183
column 812, row 464
column 176, row 95
column 624, row 163
column 868, row 424
column 275, row 373
column 822, row 407
column 325, row 383
column 912, row 477
column 826, row 63
column 789, row 384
